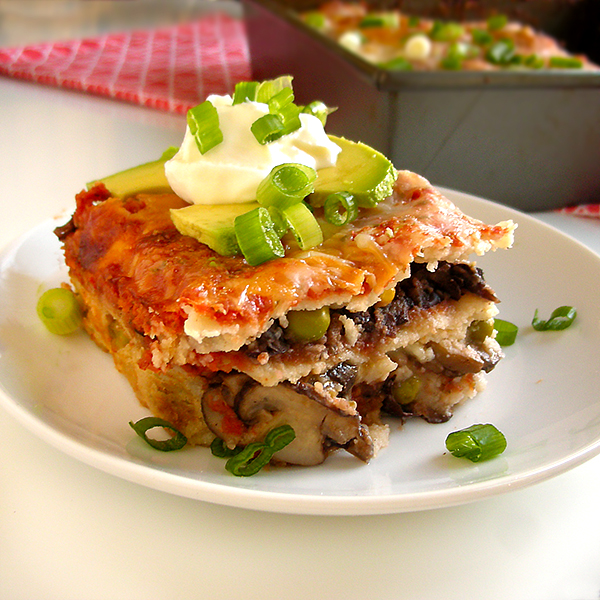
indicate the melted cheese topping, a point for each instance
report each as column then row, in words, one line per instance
column 170, row 286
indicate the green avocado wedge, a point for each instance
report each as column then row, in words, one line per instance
column 360, row 170
column 145, row 178
column 212, row 224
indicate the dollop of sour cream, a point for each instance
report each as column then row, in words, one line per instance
column 230, row 172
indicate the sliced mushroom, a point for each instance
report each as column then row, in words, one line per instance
column 218, row 409
column 459, row 358
column 320, row 425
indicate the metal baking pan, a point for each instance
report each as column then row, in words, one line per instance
column 530, row 140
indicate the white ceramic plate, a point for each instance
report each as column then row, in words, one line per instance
column 543, row 395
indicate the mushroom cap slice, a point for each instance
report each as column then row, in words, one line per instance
column 321, row 424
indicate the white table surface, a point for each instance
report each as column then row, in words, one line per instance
column 71, row 532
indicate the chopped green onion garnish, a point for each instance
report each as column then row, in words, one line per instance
column 282, row 104
column 414, row 21
column 496, row 22
column 245, row 91
column 481, row 37
column 268, row 128
column 280, row 99
column 250, row 460
column 506, row 332
column 268, row 88
column 318, row 109
column 561, row 318
column 533, row 61
column 565, row 62
column 457, row 53
column 253, row 457
column 397, row 64
column 304, row 225
column 279, row 221
column 285, row 185
column 257, row 238
column 177, row 442
column 315, row 19
column 340, row 208
column 476, row 443
column 501, row 52
column 448, row 31
column 59, row 311
column 279, row 437
column 220, row 450
column 203, row 122
column 290, row 116
column 388, row 19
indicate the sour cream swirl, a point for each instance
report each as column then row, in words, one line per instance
column 230, row 172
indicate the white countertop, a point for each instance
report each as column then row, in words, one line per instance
column 71, row 532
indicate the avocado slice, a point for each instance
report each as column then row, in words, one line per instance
column 360, row 170
column 145, row 178
column 212, row 224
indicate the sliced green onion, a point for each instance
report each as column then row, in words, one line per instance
column 389, row 20
column 506, row 332
column 280, row 223
column 457, row 52
column 315, row 19
column 268, row 128
column 281, row 99
column 340, row 208
column 220, row 450
column 501, row 52
column 318, row 109
column 59, row 311
column 476, row 443
column 304, row 225
column 250, row 460
column 397, row 64
column 177, row 442
column 448, row 31
column 497, row 22
column 282, row 104
column 244, row 461
column 285, row 185
column 203, row 121
column 279, row 437
column 533, row 61
column 481, row 37
column 414, row 21
column 565, row 62
column 290, row 115
column 245, row 91
column 257, row 237
column 268, row 88
column 352, row 40
column 253, row 457
column 561, row 318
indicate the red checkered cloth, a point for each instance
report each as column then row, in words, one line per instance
column 170, row 68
